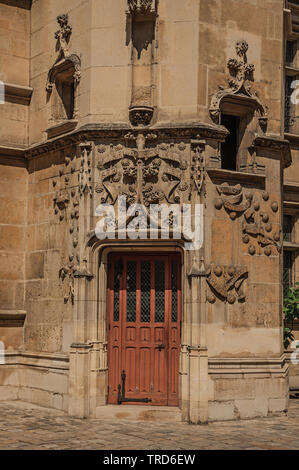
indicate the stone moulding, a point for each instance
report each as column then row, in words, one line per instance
column 240, row 74
column 17, row 93
column 225, row 366
column 250, row 179
column 12, row 318
column 38, row 359
column 118, row 132
column 62, row 128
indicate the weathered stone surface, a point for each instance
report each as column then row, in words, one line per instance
column 129, row 101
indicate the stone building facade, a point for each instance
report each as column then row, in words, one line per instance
column 184, row 102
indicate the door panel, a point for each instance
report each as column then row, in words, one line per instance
column 144, row 313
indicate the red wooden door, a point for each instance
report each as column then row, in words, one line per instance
column 144, row 315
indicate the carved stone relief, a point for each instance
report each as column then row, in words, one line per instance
column 226, row 283
column 72, row 185
column 257, row 223
column 62, row 83
column 240, row 74
column 144, row 175
column 65, row 60
column 198, row 163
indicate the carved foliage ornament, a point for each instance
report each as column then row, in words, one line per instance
column 256, row 222
column 70, row 187
column 198, row 163
column 226, row 283
column 142, row 7
column 240, row 74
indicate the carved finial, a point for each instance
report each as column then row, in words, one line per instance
column 63, row 35
column 240, row 70
column 241, row 73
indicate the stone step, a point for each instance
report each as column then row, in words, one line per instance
column 164, row 414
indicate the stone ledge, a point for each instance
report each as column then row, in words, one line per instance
column 17, row 93
column 37, row 359
column 291, row 246
column 12, row 156
column 225, row 367
column 62, row 128
column 236, row 176
column 13, row 318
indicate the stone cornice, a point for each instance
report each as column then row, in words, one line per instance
column 25, row 4
column 12, row 156
column 166, row 132
column 121, row 131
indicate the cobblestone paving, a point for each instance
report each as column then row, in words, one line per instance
column 24, row 426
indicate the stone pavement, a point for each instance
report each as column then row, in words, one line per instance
column 25, row 426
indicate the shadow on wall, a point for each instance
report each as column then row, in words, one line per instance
column 143, row 34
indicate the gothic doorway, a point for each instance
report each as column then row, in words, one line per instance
column 143, row 328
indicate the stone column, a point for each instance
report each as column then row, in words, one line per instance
column 198, row 357
column 79, row 352
column 79, row 378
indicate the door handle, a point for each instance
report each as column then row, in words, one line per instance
column 161, row 346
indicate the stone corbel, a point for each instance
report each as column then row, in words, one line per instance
column 197, row 271
column 276, row 144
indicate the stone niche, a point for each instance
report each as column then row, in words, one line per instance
column 62, row 83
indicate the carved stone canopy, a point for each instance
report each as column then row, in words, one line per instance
column 239, row 89
column 142, row 7
column 67, row 67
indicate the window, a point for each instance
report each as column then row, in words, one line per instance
column 287, row 271
column 288, row 109
column 288, row 225
column 229, row 148
column 290, row 52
